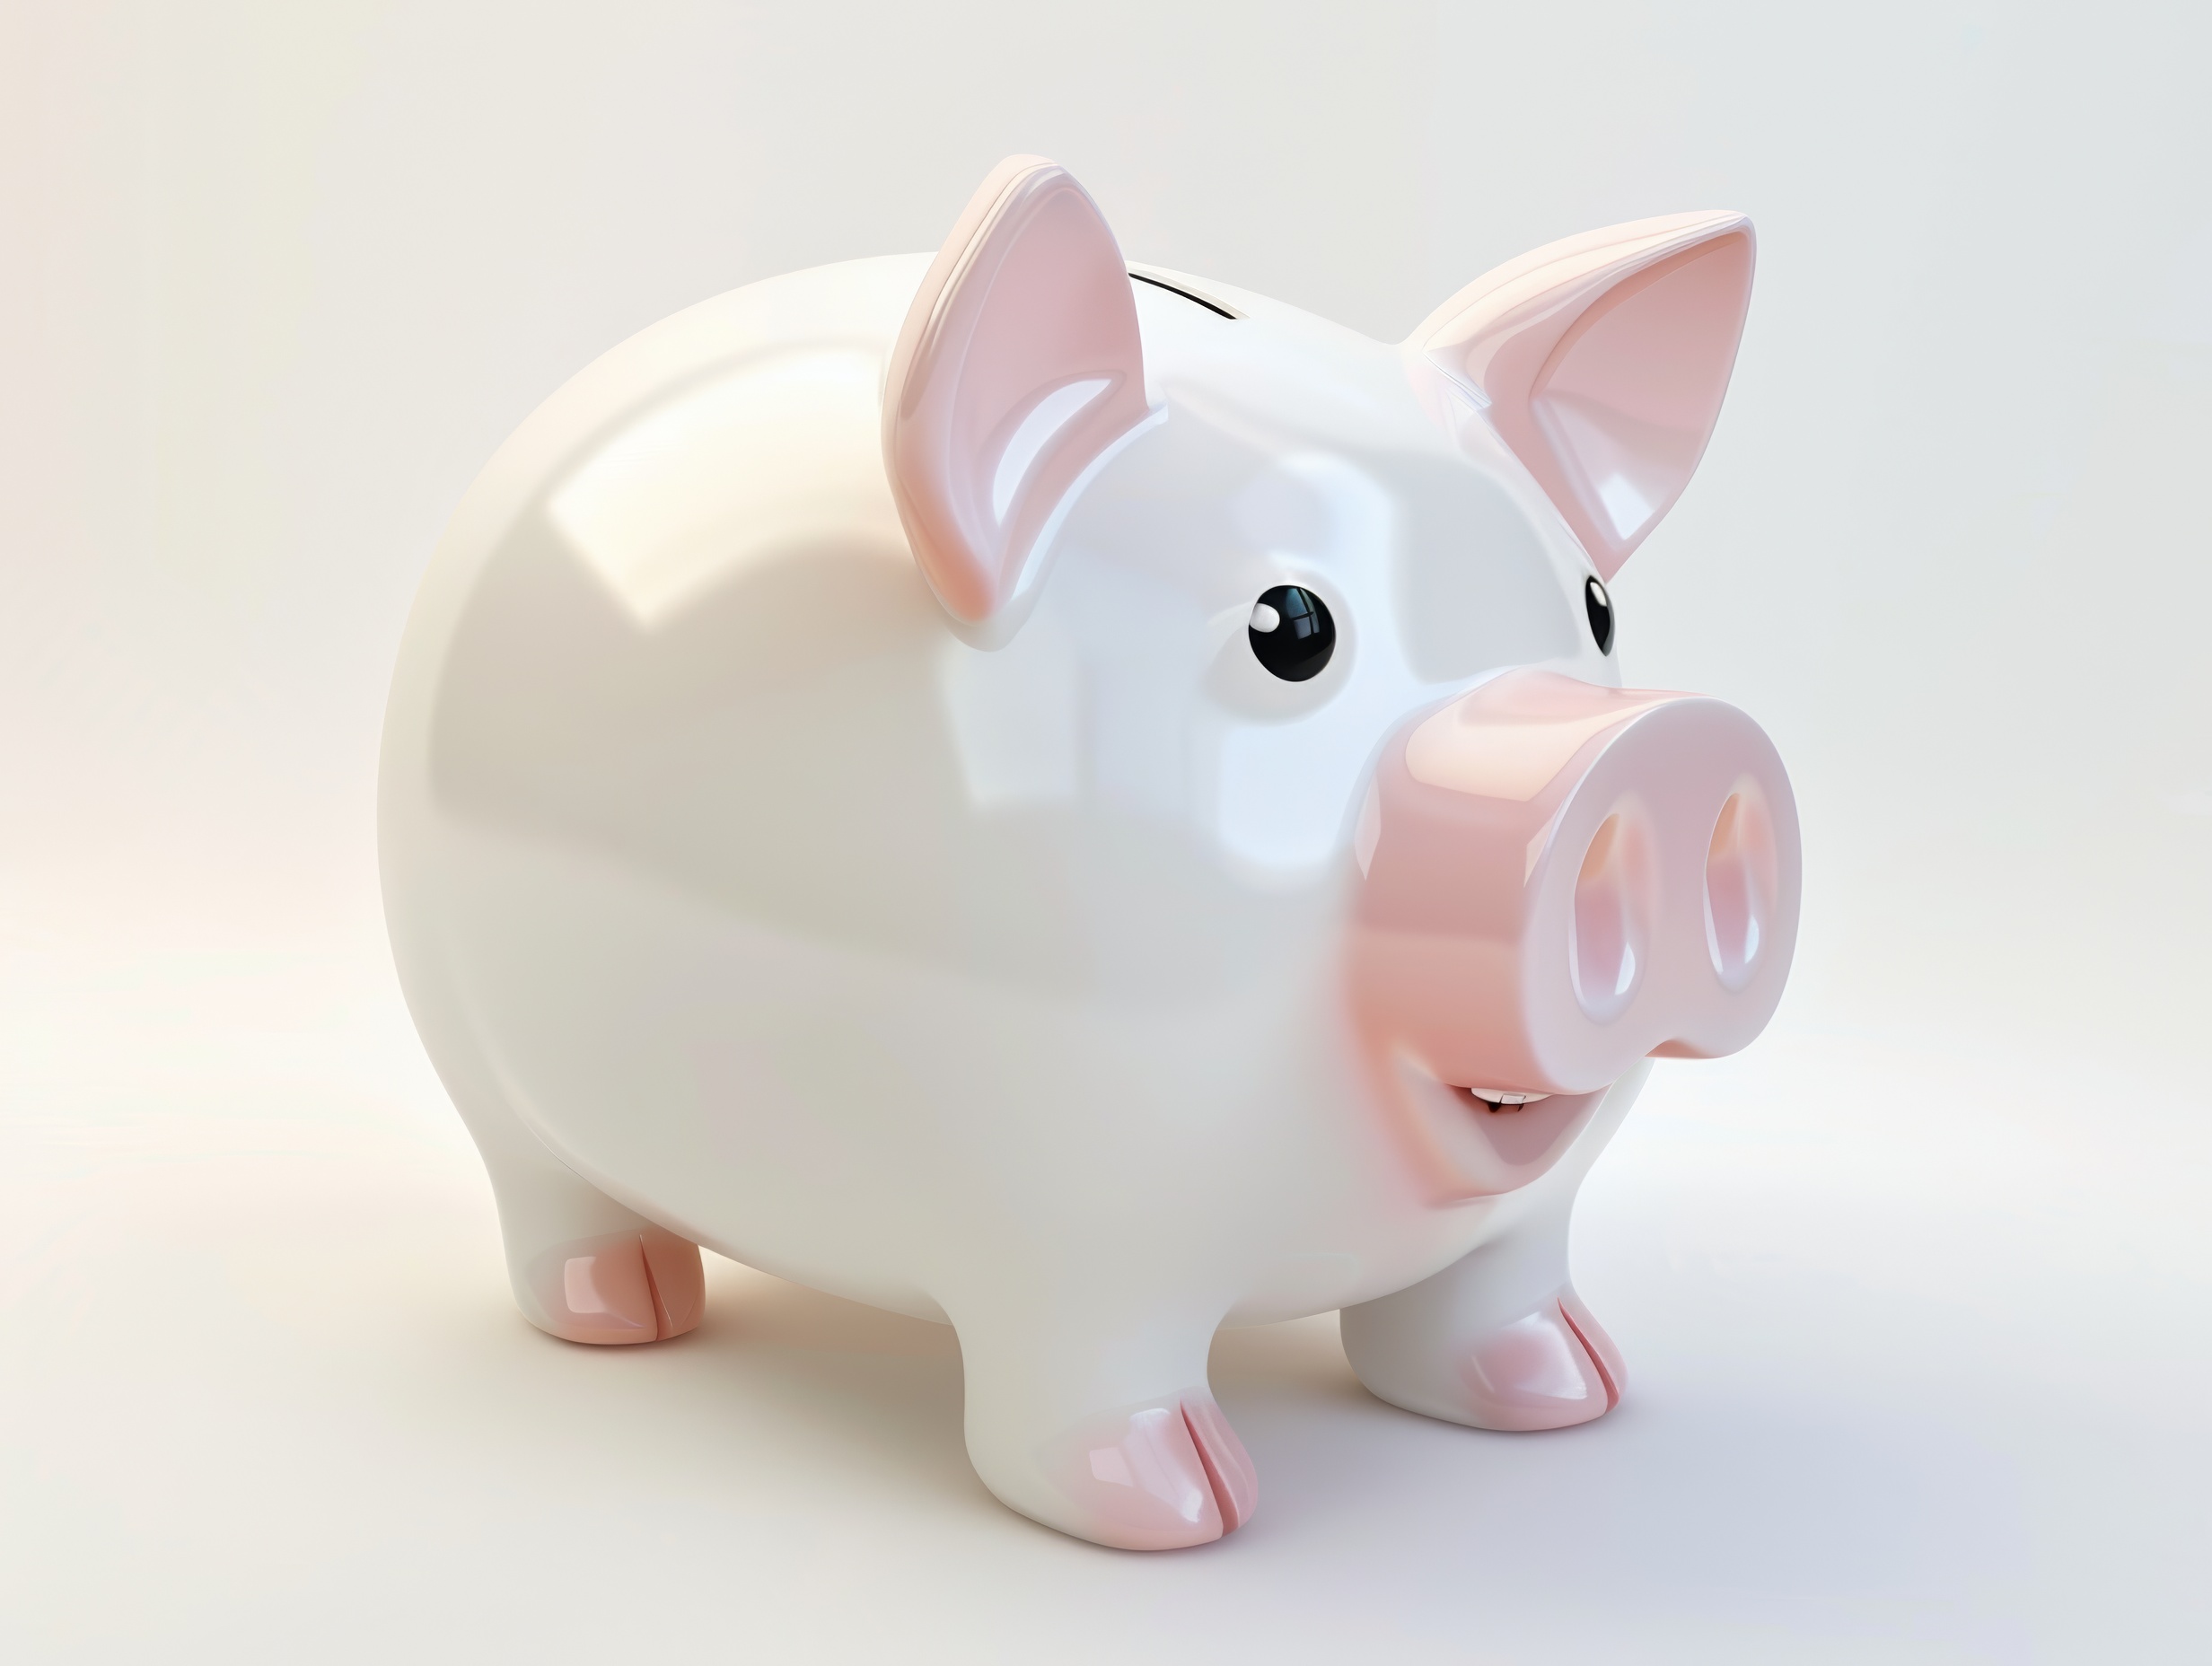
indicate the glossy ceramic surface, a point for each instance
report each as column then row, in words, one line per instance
column 837, row 808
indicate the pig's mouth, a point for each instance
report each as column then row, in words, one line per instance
column 1524, row 1130
column 1480, row 1141
column 1502, row 1098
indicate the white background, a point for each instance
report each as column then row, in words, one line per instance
column 1917, row 1295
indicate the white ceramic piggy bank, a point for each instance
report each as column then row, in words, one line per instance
column 1088, row 805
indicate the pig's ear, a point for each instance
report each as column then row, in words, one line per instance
column 1018, row 371
column 1603, row 360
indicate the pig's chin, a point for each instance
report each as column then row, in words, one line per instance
column 1473, row 1145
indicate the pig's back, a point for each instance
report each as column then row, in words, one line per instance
column 632, row 462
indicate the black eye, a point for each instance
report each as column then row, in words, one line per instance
column 1292, row 633
column 1599, row 606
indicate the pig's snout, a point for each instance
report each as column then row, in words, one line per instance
column 1557, row 879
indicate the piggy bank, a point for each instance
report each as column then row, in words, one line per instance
column 1087, row 805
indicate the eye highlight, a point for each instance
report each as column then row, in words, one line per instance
column 1599, row 606
column 1291, row 633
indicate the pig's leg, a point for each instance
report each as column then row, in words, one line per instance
column 1103, row 1430
column 583, row 1267
column 1499, row 1339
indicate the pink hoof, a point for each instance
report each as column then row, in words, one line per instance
column 1228, row 1466
column 1600, row 1346
column 626, row 1287
column 1551, row 1369
column 679, row 1283
column 1160, row 1477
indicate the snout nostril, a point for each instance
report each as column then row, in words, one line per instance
column 1607, row 942
column 1740, row 886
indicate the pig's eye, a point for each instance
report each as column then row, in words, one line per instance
column 1599, row 606
column 1292, row 633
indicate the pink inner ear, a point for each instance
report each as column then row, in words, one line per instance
column 1019, row 366
column 1629, row 396
column 1604, row 359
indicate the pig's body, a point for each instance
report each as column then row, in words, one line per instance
column 743, row 903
